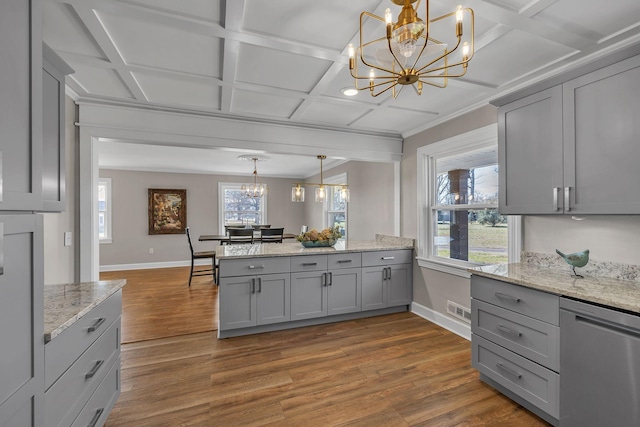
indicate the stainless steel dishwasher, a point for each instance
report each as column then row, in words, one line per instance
column 599, row 366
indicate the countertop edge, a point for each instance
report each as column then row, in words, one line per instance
column 296, row 249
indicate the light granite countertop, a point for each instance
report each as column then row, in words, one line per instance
column 290, row 249
column 65, row 304
column 612, row 292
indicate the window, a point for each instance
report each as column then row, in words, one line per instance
column 458, row 187
column 104, row 210
column 335, row 207
column 237, row 209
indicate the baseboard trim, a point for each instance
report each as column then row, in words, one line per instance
column 150, row 265
column 440, row 319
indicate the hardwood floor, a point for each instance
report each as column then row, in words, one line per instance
column 395, row 370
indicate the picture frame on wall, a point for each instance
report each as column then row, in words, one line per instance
column 167, row 211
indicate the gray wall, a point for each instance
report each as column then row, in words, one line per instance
column 370, row 210
column 609, row 238
column 131, row 241
column 60, row 262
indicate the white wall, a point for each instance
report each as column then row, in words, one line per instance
column 60, row 261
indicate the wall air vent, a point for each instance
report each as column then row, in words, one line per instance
column 456, row 310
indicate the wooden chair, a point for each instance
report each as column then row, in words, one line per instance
column 227, row 227
column 201, row 255
column 240, row 235
column 271, row 235
column 257, row 227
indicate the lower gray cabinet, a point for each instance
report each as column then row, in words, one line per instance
column 247, row 301
column 386, row 279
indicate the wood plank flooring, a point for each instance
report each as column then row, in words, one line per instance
column 395, row 370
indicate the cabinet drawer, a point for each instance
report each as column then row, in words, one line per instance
column 347, row 260
column 401, row 256
column 64, row 349
column 530, row 302
column 97, row 409
column 253, row 266
column 531, row 338
column 530, row 381
column 308, row 263
column 64, row 400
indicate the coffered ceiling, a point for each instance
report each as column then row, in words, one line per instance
column 285, row 61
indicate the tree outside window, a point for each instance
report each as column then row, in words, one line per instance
column 239, row 210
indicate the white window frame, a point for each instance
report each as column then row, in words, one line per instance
column 427, row 155
column 336, row 179
column 107, row 213
column 235, row 186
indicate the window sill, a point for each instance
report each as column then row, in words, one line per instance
column 105, row 241
column 445, row 267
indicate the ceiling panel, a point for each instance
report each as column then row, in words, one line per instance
column 201, row 9
column 432, row 98
column 334, row 113
column 63, row 31
column 264, row 104
column 99, row 81
column 393, row 119
column 172, row 91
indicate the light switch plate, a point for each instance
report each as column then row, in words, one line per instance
column 68, row 238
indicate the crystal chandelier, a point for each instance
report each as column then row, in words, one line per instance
column 407, row 52
column 256, row 189
column 297, row 191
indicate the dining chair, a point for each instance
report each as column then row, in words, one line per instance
column 227, row 227
column 240, row 235
column 201, row 255
column 257, row 227
column 271, row 235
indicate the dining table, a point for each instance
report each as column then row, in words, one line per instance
column 223, row 238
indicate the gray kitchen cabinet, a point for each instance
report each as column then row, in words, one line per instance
column 386, row 279
column 54, row 70
column 21, row 105
column 22, row 317
column 250, row 299
column 571, row 149
column 516, row 343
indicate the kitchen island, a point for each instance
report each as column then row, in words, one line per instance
column 267, row 287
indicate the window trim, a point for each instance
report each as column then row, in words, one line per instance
column 235, row 185
column 336, row 179
column 108, row 212
column 480, row 138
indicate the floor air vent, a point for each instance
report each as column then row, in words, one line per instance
column 459, row 311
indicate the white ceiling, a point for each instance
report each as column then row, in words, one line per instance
column 285, row 61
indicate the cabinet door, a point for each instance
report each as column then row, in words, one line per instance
column 273, row 298
column 308, row 295
column 373, row 288
column 22, row 317
column 601, row 137
column 237, row 302
column 344, row 291
column 399, row 285
column 530, row 154
column 21, row 105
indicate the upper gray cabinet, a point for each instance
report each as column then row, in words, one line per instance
column 20, row 105
column 572, row 148
column 54, row 70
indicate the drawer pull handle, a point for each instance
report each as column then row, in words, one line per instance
column 93, row 370
column 507, row 296
column 96, row 417
column 387, row 257
column 309, row 264
column 342, row 261
column 509, row 331
column 509, row 370
column 96, row 325
column 253, row 267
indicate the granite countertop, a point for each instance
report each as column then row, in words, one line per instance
column 288, row 249
column 64, row 304
column 612, row 292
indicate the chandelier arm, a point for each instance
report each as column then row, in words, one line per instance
column 445, row 76
column 442, row 86
column 394, row 55
column 438, row 59
column 380, row 93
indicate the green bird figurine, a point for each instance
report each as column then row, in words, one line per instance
column 577, row 259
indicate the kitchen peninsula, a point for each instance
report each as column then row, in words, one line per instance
column 267, row 287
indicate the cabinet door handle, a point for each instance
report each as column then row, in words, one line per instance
column 509, row 331
column 253, row 267
column 342, row 261
column 507, row 296
column 389, row 274
column 330, row 278
column 385, row 258
column 96, row 417
column 259, row 284
column 384, row 273
column 253, row 285
column 567, row 207
column 96, row 325
column 309, row 264
column 509, row 370
column 93, row 370
column 556, row 207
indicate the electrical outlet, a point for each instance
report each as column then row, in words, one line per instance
column 68, row 238
column 151, row 250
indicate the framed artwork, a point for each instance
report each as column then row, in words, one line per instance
column 167, row 211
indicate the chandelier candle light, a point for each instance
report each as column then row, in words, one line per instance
column 297, row 191
column 256, row 189
column 409, row 54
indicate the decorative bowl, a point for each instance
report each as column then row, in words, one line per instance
column 318, row 243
